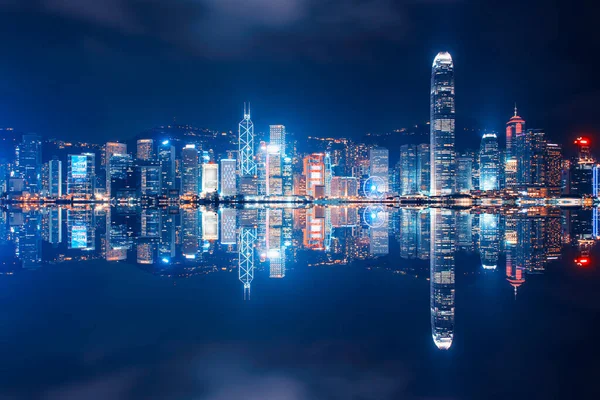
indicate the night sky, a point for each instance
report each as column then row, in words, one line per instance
column 110, row 69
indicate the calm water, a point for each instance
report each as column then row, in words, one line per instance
column 297, row 304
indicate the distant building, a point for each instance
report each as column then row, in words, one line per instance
column 423, row 168
column 210, row 178
column 228, row 177
column 379, row 161
column 344, row 187
column 464, row 172
column 29, row 163
column 55, row 180
column 277, row 136
column 190, row 170
column 408, row 170
column 145, row 149
column 489, row 163
column 314, row 171
column 150, row 178
column 166, row 158
column 81, row 175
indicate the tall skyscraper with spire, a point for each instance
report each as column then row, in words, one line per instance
column 442, row 120
column 246, row 144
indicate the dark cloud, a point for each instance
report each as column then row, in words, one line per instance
column 234, row 27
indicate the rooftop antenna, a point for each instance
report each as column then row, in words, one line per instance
column 515, row 108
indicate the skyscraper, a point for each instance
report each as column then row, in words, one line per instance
column 166, row 157
column 277, row 137
column 81, row 175
column 408, row 169
column 442, row 121
column 228, row 177
column 55, row 178
column 515, row 128
column 190, row 170
column 489, row 162
column 379, row 161
column 464, row 172
column 314, row 171
column 530, row 152
column 246, row 145
column 29, row 159
column 423, row 168
column 150, row 178
column 111, row 149
column 145, row 149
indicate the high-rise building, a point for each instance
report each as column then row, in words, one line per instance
column 246, row 145
column 190, row 170
column 423, row 168
column 442, row 123
column 55, row 180
column 408, row 169
column 228, row 177
column 122, row 182
column 150, row 178
column 111, row 149
column 277, row 137
column 314, row 171
column 379, row 161
column 489, row 240
column 553, row 163
column 530, row 153
column 514, row 127
column 489, row 162
column 287, row 176
column 210, row 178
column 274, row 171
column 464, row 172
column 344, row 187
column 81, row 175
column 29, row 163
column 166, row 158
column 145, row 149
column 582, row 170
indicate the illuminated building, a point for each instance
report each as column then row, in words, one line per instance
column 530, row 152
column 246, row 146
column 464, row 173
column 274, row 171
column 408, row 169
column 246, row 241
column 489, row 240
column 300, row 185
column 442, row 121
column 423, row 168
column 379, row 165
column 29, row 163
column 166, row 158
column 81, row 174
column 55, row 180
column 210, row 178
column 314, row 171
column 190, row 170
column 423, row 234
column 277, row 137
column 582, row 170
column 464, row 230
column 442, row 284
column 344, row 187
column 55, row 226
column 150, row 178
column 553, row 164
column 122, row 182
column 111, row 149
column 408, row 233
column 145, row 149
column 287, row 176
column 489, row 163
column 514, row 128
column 228, row 177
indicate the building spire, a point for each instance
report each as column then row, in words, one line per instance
column 515, row 108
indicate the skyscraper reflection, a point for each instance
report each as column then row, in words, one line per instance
column 442, row 285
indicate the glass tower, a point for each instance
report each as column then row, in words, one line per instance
column 489, row 162
column 442, row 121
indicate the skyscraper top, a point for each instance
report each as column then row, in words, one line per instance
column 443, row 57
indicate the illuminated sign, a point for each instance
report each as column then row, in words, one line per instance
column 78, row 237
column 79, row 167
